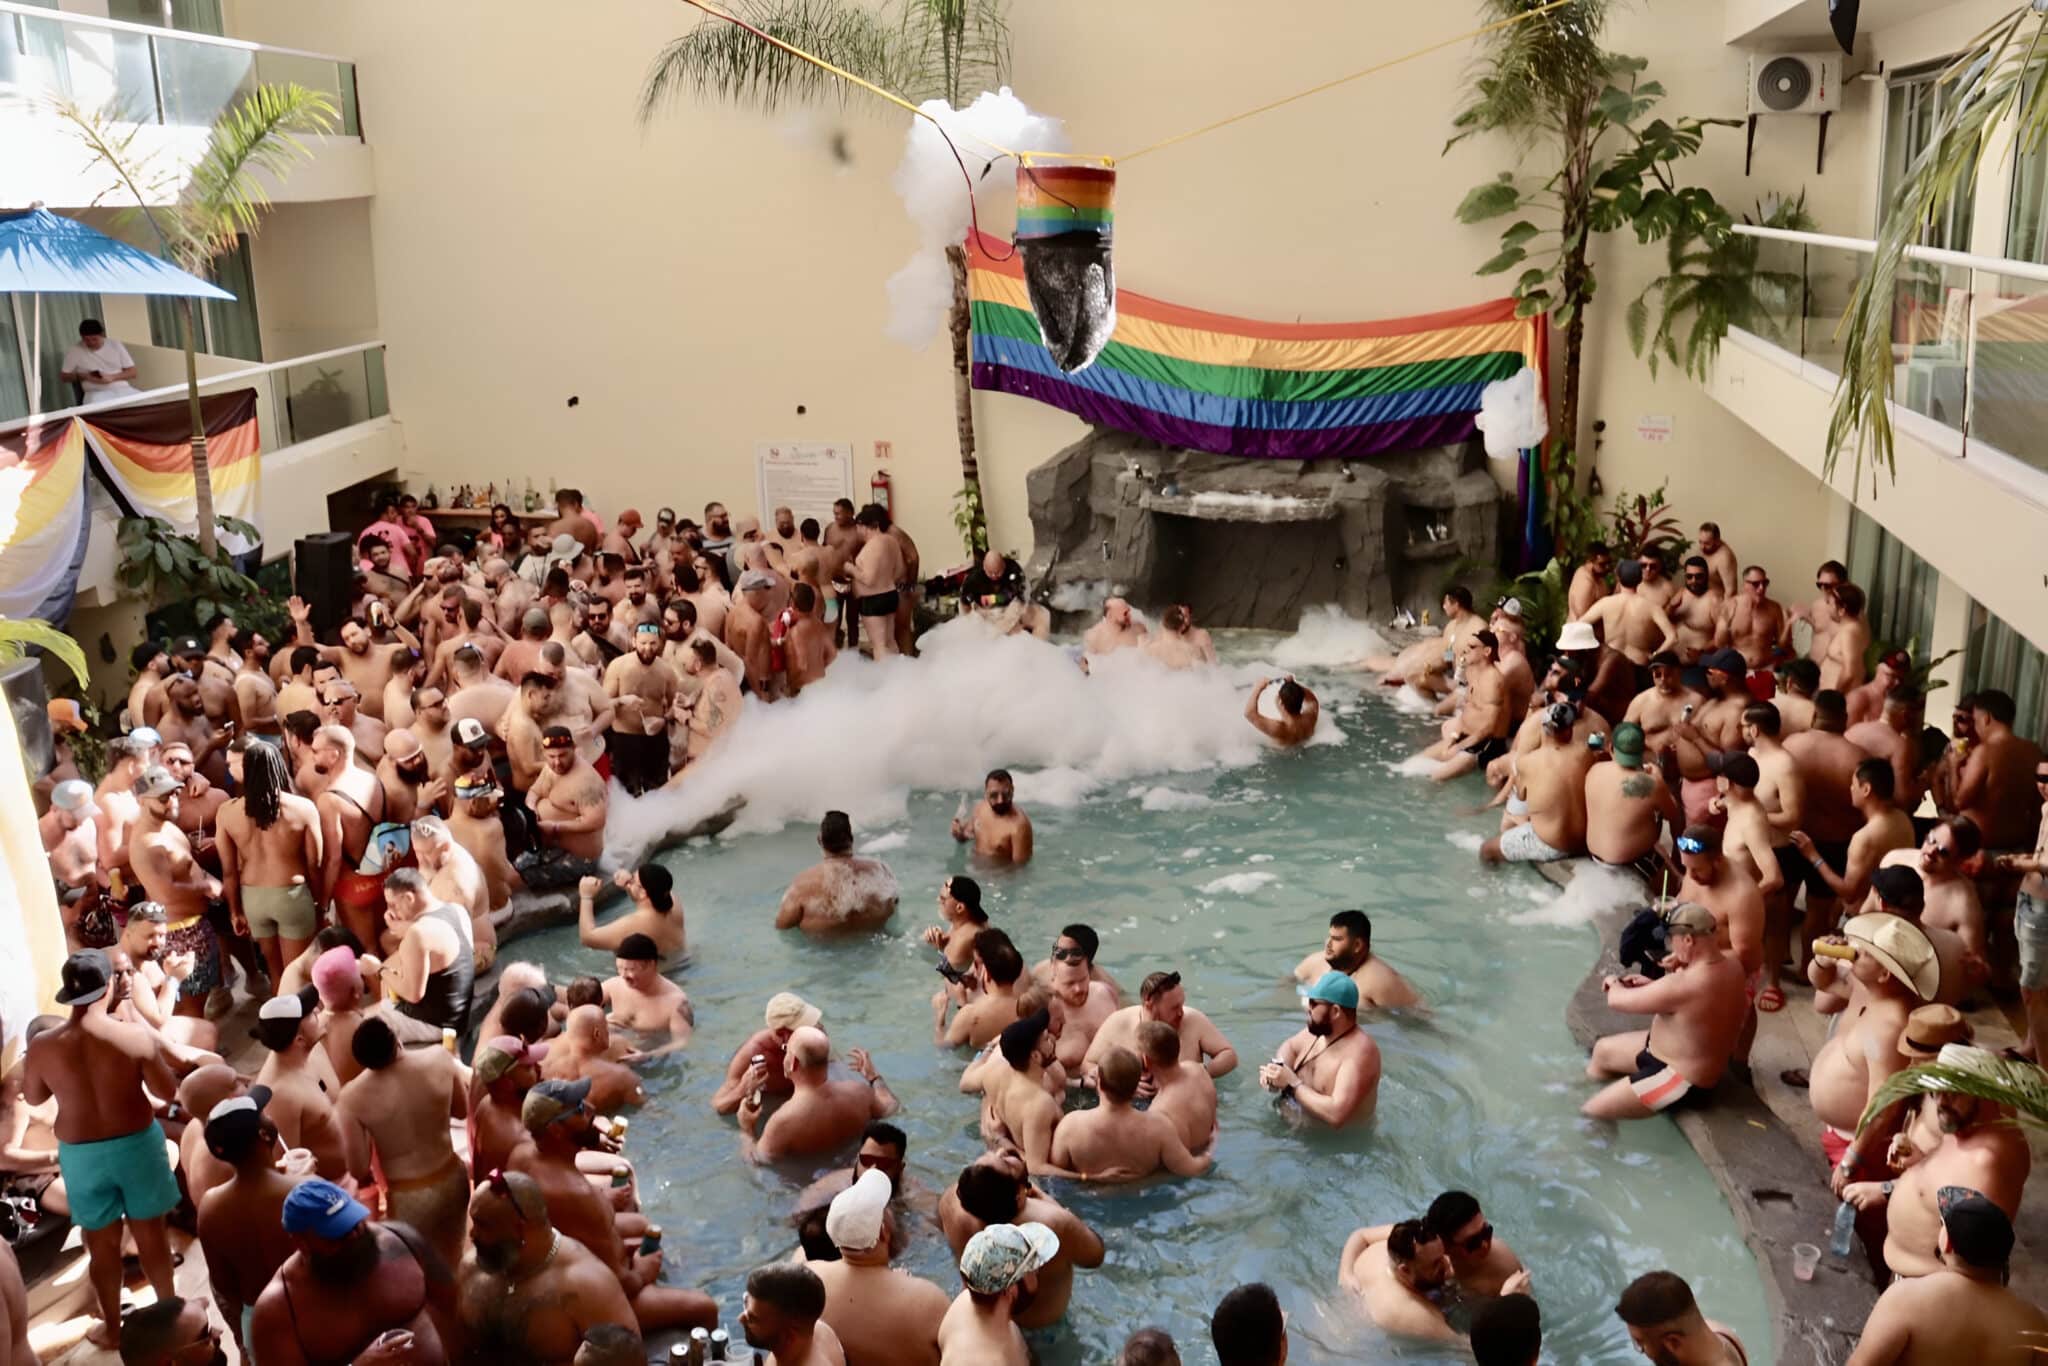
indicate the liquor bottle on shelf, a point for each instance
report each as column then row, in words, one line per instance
column 532, row 497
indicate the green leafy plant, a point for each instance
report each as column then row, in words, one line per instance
column 326, row 384
column 1544, row 595
column 922, row 49
column 1711, row 277
column 185, row 587
column 19, row 637
column 1644, row 524
column 201, row 213
column 968, row 520
column 1573, row 515
column 2020, row 1086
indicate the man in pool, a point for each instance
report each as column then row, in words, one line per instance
column 995, row 1189
column 1117, row 630
column 1180, row 644
column 1161, row 997
column 998, row 831
column 1085, row 1000
column 841, row 892
column 1181, row 1091
column 1483, row 726
column 655, row 911
column 1296, row 720
column 645, row 1003
column 960, row 905
column 1404, row 1277
column 1116, row 1141
column 1665, row 1323
column 821, row 1116
column 1700, row 1006
column 1331, row 1068
column 998, row 971
column 1348, row 949
column 786, row 1013
column 1551, row 782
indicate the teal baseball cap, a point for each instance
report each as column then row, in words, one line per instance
column 1335, row 988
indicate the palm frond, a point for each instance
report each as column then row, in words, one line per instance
column 951, row 49
column 2021, row 1087
column 18, row 637
column 1533, row 76
column 257, row 135
column 720, row 61
column 112, row 143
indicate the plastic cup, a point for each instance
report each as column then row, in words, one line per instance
column 1805, row 1257
column 297, row 1162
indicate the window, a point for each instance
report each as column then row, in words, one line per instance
column 1900, row 585
column 1915, row 104
column 1999, row 657
column 187, row 16
column 225, row 329
column 61, row 314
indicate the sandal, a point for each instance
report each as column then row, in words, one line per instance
column 1794, row 1077
column 1770, row 1000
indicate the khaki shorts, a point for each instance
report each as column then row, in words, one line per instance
column 280, row 912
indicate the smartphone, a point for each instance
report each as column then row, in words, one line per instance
column 957, row 976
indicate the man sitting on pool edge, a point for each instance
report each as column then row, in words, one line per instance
column 1702, row 1003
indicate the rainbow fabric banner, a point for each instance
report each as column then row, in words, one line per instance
column 42, row 520
column 147, row 452
column 1232, row 386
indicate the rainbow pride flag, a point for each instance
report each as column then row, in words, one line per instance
column 1232, row 386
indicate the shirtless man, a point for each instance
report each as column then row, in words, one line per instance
column 527, row 1293
column 1893, row 971
column 397, row 1110
column 882, row 1316
column 1718, row 877
column 1659, row 708
column 785, row 1014
column 185, row 722
column 569, row 798
column 1117, row 630
column 163, row 862
column 510, row 596
column 1866, row 701
column 1551, row 782
column 255, row 693
column 1296, row 720
column 1665, row 1323
column 349, row 1281
column 477, row 827
column 1826, row 764
column 303, row 1087
column 71, row 838
column 583, row 1053
column 1016, row 1101
column 997, row 970
column 805, row 560
column 1820, row 614
column 115, row 800
column 995, row 1189
column 1401, row 1276
column 340, row 705
column 1161, row 997
column 152, row 664
column 1181, row 1091
column 477, row 694
column 1634, row 624
column 456, row 879
column 655, row 911
column 747, row 631
column 1178, row 644
column 998, row 830
column 877, row 570
column 821, row 1116
column 522, row 655
column 1696, row 611
column 1713, row 728
column 1626, row 807
column 1085, row 1001
column 1997, row 790
column 645, row 1003
column 1348, row 949
column 407, row 776
column 1755, row 626
column 960, row 906
column 351, row 803
column 842, row 892
column 1483, row 724
column 1589, row 582
column 199, row 801
column 708, row 703
column 1884, row 829
column 363, row 665
column 1950, row 903
column 1962, row 1310
column 150, row 981
column 1699, row 1008
column 1115, row 1142
column 808, row 648
column 1331, row 1069
column 116, row 1172
column 1894, row 736
column 240, row 1220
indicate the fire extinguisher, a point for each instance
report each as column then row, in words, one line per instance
column 878, row 491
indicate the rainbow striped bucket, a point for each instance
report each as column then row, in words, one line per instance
column 1066, row 217
column 1054, row 200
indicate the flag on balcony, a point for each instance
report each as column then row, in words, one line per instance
column 42, row 520
column 147, row 452
column 1232, row 386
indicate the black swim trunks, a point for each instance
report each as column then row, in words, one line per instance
column 1800, row 872
column 1485, row 751
column 1659, row 1087
column 879, row 604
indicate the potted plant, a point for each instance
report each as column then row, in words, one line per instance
column 321, row 407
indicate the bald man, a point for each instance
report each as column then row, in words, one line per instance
column 821, row 1116
column 1117, row 629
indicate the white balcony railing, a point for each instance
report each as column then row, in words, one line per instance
column 1969, row 338
column 152, row 75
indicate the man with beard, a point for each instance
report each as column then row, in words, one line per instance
column 348, row 1283
column 505, row 1068
column 1085, row 1000
column 510, row 595
column 708, row 703
column 1161, row 997
column 821, row 1116
column 1699, row 1008
column 1962, row 1312
column 380, row 579
column 255, row 692
column 185, row 722
column 1331, row 1069
column 1997, row 789
column 455, row 879
column 1404, row 1279
column 782, row 1314
column 877, row 570
column 1755, row 626
column 407, row 776
column 569, row 801
column 432, row 972
column 367, row 668
column 152, row 979
column 430, row 726
column 341, row 705
column 593, row 646
column 351, row 803
column 583, row 1052
column 164, row 1333
column 1348, row 949
column 396, row 1110
column 1665, row 1323
column 1116, row 1141
column 468, row 628
column 162, row 858
column 680, row 631
column 557, row 1117
column 527, row 1293
column 1714, row 728
column 1696, row 611
column 109, row 1145
column 997, row 829
column 479, row 828
column 115, row 799
column 785, row 1014
column 841, row 892
column 240, row 1220
column 646, row 1003
column 642, row 689
column 718, row 538
column 995, row 1189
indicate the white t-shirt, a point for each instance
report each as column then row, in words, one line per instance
column 111, row 359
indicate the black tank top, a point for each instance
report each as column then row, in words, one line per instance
column 445, row 1001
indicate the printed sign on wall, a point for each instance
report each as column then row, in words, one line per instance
column 804, row 476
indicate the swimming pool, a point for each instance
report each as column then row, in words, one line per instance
column 1226, row 871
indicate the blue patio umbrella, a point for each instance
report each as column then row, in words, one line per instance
column 42, row 252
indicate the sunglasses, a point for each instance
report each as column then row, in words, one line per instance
column 1826, row 585
column 1477, row 1240
column 2041, row 777
column 1758, row 583
column 1688, row 845
column 1060, row 955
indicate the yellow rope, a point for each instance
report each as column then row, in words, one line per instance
column 718, row 12
column 1481, row 32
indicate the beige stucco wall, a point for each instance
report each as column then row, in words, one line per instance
column 695, row 284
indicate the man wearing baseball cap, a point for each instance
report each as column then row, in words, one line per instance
column 1698, row 1010
column 350, row 1281
column 643, row 688
column 1962, row 1312
column 110, row 1147
column 1550, row 781
column 1331, row 1069
column 786, row 1013
column 1626, row 808
column 240, row 1220
column 1000, row 1263
column 162, row 856
column 506, row 1068
column 878, row 1312
column 655, row 911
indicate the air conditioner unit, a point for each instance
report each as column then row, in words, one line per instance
column 1795, row 83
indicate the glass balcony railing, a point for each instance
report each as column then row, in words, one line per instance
column 154, row 76
column 2008, row 374
column 325, row 395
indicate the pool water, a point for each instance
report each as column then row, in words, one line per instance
column 1228, row 875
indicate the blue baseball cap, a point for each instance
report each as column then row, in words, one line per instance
column 1335, row 988
column 321, row 1209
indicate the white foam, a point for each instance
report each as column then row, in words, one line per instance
column 882, row 844
column 1259, row 504
column 1260, row 858
column 1239, row 884
column 1080, row 595
column 1407, row 699
column 868, row 734
column 1467, row 840
column 1594, row 888
column 1328, row 639
column 1415, row 766
column 1192, row 852
column 1172, row 799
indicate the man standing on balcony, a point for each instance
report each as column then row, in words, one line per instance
column 100, row 364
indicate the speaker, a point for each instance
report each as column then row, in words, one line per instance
column 323, row 571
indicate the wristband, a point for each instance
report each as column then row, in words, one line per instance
column 1884, row 1188
column 1287, row 1093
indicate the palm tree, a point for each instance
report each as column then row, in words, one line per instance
column 921, row 49
column 220, row 200
column 2021, row 1087
column 1998, row 75
column 17, row 638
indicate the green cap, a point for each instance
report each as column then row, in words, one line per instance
column 1627, row 745
column 1335, row 988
